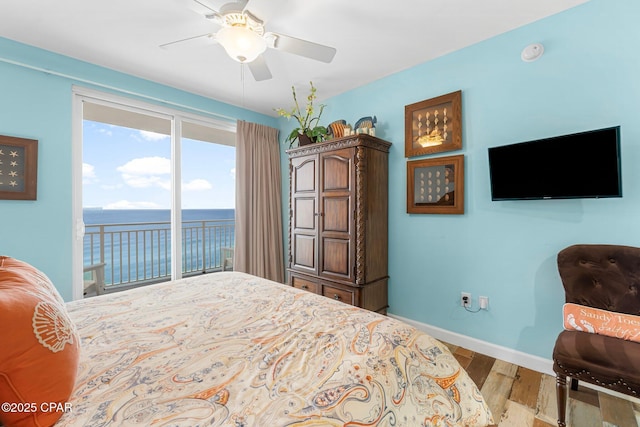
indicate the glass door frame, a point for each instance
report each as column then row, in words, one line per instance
column 176, row 118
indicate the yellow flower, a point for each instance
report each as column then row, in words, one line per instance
column 307, row 123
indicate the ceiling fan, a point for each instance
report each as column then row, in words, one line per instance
column 244, row 38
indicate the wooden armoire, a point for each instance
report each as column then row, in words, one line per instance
column 338, row 220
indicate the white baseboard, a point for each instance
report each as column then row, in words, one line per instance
column 535, row 363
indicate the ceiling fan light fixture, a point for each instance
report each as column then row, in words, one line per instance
column 241, row 43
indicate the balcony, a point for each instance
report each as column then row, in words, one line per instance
column 136, row 254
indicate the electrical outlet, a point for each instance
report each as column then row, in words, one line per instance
column 465, row 299
column 484, row 303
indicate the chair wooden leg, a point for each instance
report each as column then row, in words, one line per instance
column 561, row 392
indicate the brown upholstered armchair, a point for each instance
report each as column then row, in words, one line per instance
column 605, row 277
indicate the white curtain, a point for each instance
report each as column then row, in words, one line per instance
column 258, row 235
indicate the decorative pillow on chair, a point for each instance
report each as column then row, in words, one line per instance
column 602, row 322
column 40, row 347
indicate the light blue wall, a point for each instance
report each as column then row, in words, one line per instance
column 589, row 77
column 36, row 105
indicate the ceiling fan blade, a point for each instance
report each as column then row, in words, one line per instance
column 259, row 69
column 264, row 10
column 202, row 7
column 206, row 9
column 207, row 38
column 301, row 47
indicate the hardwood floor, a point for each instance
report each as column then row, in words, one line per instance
column 520, row 397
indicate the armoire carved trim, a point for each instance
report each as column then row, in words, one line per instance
column 361, row 183
column 339, row 143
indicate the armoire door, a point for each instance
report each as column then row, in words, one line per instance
column 304, row 214
column 337, row 203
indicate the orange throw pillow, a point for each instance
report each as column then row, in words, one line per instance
column 596, row 321
column 40, row 348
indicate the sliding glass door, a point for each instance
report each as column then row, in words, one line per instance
column 156, row 197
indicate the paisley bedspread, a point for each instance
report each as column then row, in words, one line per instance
column 230, row 349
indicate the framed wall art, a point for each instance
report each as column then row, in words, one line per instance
column 434, row 125
column 436, row 186
column 18, row 168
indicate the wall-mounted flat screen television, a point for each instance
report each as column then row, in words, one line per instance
column 580, row 165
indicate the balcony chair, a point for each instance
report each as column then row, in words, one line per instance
column 95, row 278
column 227, row 258
column 605, row 277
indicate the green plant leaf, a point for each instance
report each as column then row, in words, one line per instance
column 307, row 122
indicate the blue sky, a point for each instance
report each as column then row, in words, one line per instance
column 125, row 168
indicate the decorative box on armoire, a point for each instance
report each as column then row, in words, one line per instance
column 338, row 218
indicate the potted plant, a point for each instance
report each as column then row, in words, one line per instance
column 308, row 130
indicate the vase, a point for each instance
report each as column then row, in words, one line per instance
column 304, row 140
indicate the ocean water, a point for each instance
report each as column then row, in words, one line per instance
column 119, row 216
column 135, row 244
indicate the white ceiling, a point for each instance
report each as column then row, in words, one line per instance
column 373, row 39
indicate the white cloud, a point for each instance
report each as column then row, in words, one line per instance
column 125, row 204
column 146, row 172
column 88, row 173
column 233, row 173
column 146, row 166
column 152, row 136
column 146, row 181
column 198, row 184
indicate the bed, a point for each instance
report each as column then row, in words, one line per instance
column 230, row 349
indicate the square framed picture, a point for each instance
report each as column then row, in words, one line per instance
column 18, row 168
column 434, row 125
column 436, row 186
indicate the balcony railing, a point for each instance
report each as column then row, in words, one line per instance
column 140, row 253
